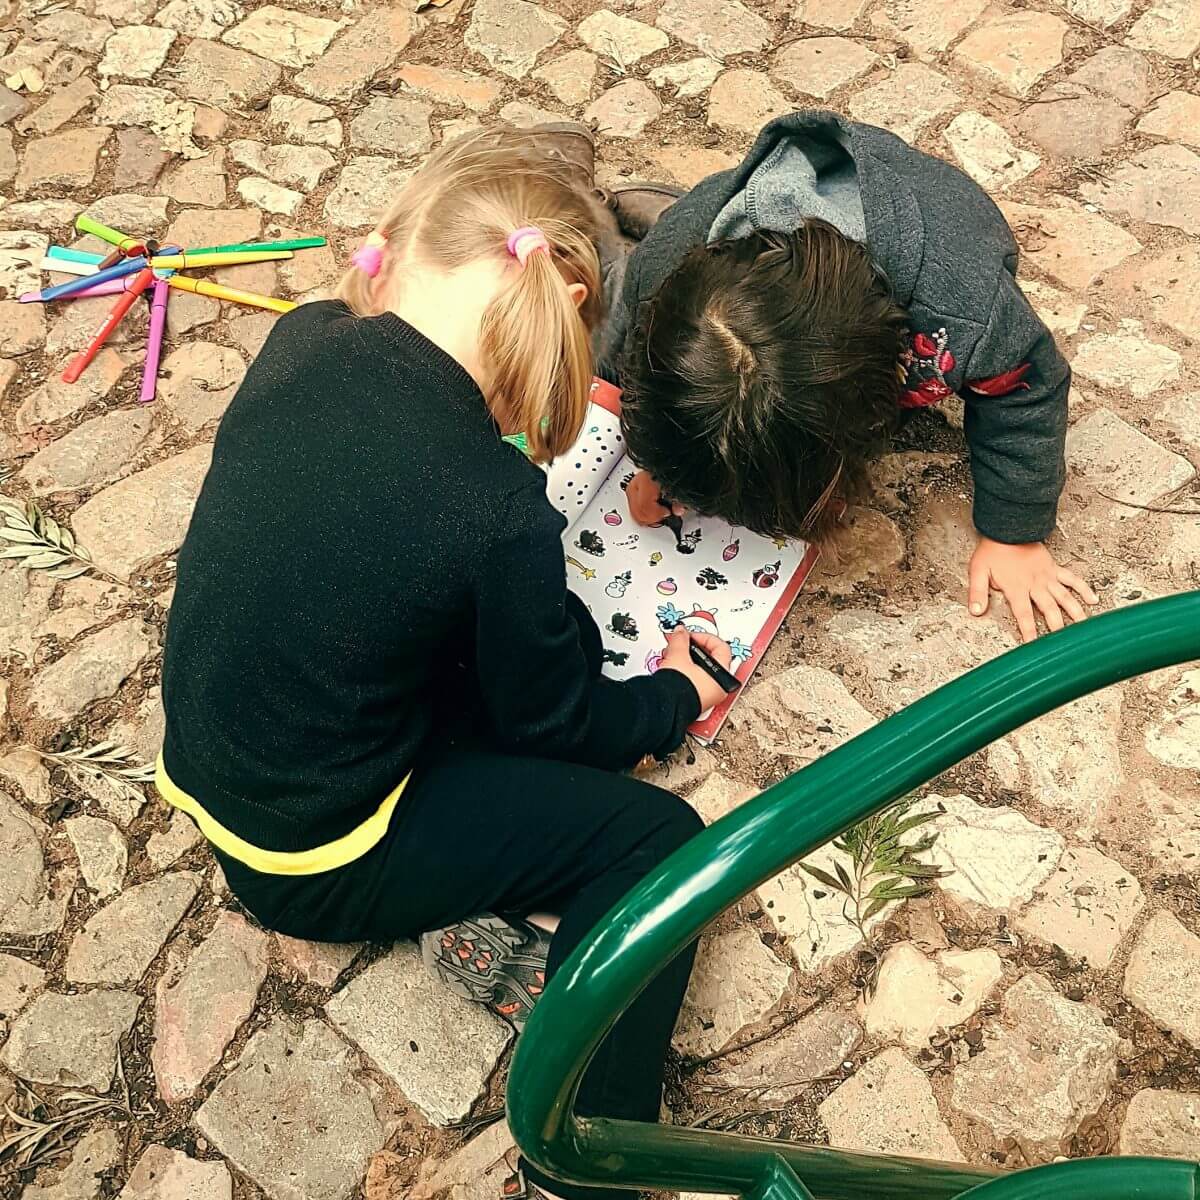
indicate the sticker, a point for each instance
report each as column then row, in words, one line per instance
column 667, row 587
column 731, row 551
column 612, row 517
column 656, row 558
column 623, row 625
column 768, row 576
column 618, row 658
column 590, row 543
column 710, row 579
column 617, row 587
column 586, row 572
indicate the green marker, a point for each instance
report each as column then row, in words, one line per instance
column 114, row 237
column 305, row 243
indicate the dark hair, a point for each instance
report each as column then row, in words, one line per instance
column 764, row 378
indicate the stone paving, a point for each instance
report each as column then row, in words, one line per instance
column 1040, row 1002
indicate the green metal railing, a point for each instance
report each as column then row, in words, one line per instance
column 665, row 912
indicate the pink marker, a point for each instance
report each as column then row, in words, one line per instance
column 158, row 319
column 107, row 287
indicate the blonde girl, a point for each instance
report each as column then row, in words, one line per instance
column 384, row 708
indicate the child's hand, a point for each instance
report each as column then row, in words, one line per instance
column 678, row 658
column 1028, row 576
column 645, row 501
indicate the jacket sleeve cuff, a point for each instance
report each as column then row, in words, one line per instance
column 1014, row 524
column 677, row 694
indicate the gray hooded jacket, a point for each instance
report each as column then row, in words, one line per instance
column 951, row 260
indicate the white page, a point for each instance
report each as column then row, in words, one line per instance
column 574, row 478
column 636, row 582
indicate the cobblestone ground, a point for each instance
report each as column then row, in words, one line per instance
column 1042, row 1001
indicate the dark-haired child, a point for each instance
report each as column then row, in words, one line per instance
column 775, row 322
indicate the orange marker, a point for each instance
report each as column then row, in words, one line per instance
column 141, row 281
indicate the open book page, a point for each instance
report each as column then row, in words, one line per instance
column 638, row 582
column 573, row 479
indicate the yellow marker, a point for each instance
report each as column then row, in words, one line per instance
column 203, row 288
column 225, row 258
column 586, row 572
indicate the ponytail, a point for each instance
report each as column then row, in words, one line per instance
column 469, row 197
column 539, row 357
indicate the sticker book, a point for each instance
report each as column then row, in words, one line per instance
column 639, row 582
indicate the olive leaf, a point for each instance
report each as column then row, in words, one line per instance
column 38, row 542
column 883, row 867
column 106, row 761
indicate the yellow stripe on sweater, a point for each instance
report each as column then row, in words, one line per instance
column 329, row 857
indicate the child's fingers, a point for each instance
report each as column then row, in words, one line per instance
column 1077, row 585
column 1067, row 600
column 1022, row 609
column 1049, row 609
column 714, row 646
column 977, row 590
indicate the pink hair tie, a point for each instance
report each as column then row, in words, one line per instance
column 368, row 258
column 525, row 241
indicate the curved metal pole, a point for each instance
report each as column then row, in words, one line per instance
column 673, row 905
column 1130, row 1178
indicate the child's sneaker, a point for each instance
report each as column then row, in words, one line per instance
column 496, row 961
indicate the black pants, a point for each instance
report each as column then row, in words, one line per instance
column 484, row 832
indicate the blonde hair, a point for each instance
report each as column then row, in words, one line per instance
column 462, row 205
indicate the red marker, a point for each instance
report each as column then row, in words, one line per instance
column 141, row 281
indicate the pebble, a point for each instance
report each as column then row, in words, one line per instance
column 293, row 1114
column 1162, row 1124
column 1015, row 50
column 572, row 77
column 92, row 1160
column 394, row 126
column 71, row 1041
column 90, row 670
column 19, row 982
column 623, row 40
column 101, row 851
column 736, row 984
column 163, row 1174
column 1042, row 1073
column 200, row 18
column 928, row 26
column 624, row 111
column 908, row 100
column 690, row 78
column 222, row 76
column 403, row 1018
column 916, row 997
column 742, row 101
column 778, row 1070
column 366, row 186
column 717, row 28
column 201, row 1002
column 1168, row 27
column 305, row 120
column 818, row 66
column 1114, row 456
column 290, row 38
column 317, row 962
column 1071, row 245
column 359, row 53
column 1160, row 977
column 512, row 34
column 888, row 1107
column 1160, row 186
column 1070, row 122
column 136, row 52
column 1174, row 737
column 90, row 455
column 61, row 160
column 119, row 942
column 197, row 181
column 477, row 92
column 162, row 495
column 1086, row 907
column 995, row 858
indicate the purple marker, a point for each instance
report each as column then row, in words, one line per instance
column 158, row 318
column 127, row 266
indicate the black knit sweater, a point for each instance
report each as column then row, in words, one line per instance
column 363, row 528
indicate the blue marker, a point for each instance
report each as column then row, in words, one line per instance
column 126, row 266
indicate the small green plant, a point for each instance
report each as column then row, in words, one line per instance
column 40, row 543
column 883, row 867
column 106, row 761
